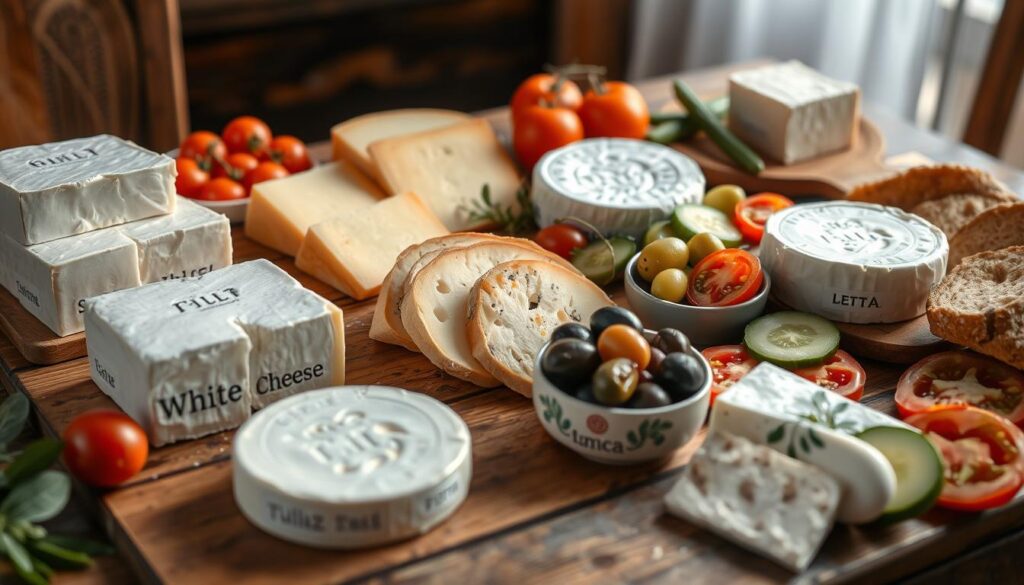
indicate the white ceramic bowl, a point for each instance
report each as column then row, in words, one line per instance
column 619, row 436
column 705, row 326
column 234, row 210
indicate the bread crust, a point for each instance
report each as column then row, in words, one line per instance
column 914, row 186
column 998, row 227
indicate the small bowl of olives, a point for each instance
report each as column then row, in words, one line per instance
column 619, row 394
column 704, row 325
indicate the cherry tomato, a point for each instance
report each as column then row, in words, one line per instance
column 265, row 172
column 290, row 152
column 222, row 189
column 539, row 129
column 723, row 278
column 617, row 109
column 623, row 341
column 562, row 239
column 104, row 447
column 729, row 363
column 840, row 373
column 981, row 454
column 236, row 166
column 203, row 147
column 191, row 178
column 752, row 213
column 247, row 134
column 962, row 377
column 541, row 90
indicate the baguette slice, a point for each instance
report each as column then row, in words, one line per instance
column 980, row 304
column 996, row 228
column 436, row 299
column 952, row 212
column 514, row 308
column 914, row 186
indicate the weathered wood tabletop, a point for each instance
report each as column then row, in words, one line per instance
column 536, row 511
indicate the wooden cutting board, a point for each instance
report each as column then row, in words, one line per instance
column 34, row 340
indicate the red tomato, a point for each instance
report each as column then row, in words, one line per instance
column 752, row 213
column 104, row 447
column 561, row 238
column 191, row 178
column 264, row 172
column 236, row 166
column 729, row 363
column 617, row 109
column 962, row 377
column 544, row 89
column 290, row 152
column 981, row 454
column 247, row 134
column 203, row 147
column 539, row 129
column 840, row 374
column 723, row 278
column 222, row 189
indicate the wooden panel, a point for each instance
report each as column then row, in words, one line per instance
column 163, row 73
column 1000, row 81
column 595, row 32
column 20, row 87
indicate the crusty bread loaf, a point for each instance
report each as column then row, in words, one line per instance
column 980, row 304
column 914, row 186
column 514, row 308
column 434, row 305
column 998, row 227
column 952, row 212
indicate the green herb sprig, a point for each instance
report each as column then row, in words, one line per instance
column 514, row 219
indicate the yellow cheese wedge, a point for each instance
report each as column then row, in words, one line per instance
column 351, row 137
column 355, row 251
column 447, row 167
column 281, row 211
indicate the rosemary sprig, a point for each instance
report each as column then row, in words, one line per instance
column 514, row 219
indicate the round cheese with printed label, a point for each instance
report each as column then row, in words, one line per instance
column 620, row 186
column 351, row 466
column 853, row 262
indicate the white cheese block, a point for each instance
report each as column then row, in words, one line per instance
column 53, row 279
column 193, row 356
column 619, row 186
column 799, row 418
column 352, row 466
column 771, row 504
column 791, row 112
column 65, row 188
column 853, row 262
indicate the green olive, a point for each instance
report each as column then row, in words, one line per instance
column 670, row 285
column 615, row 381
column 661, row 255
column 702, row 245
column 659, row 230
column 725, row 198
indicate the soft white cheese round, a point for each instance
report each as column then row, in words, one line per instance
column 853, row 262
column 619, row 185
column 351, row 466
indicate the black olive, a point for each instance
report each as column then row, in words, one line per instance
column 657, row 356
column 568, row 363
column 571, row 330
column 671, row 340
column 646, row 376
column 615, row 381
column 681, row 375
column 586, row 394
column 649, row 395
column 608, row 316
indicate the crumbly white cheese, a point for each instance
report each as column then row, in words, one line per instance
column 53, row 279
column 747, row 493
column 65, row 188
column 193, row 356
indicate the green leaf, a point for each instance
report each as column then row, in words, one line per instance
column 815, row 438
column 820, row 401
column 658, row 440
column 88, row 546
column 13, row 414
column 39, row 455
column 59, row 556
column 37, row 499
column 777, row 434
column 42, row 568
column 805, row 445
column 566, row 424
column 791, row 451
column 17, row 553
column 643, row 428
column 631, row 437
column 840, row 407
column 32, row 577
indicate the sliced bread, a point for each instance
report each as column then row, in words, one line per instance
column 952, row 212
column 980, row 304
column 914, row 186
column 998, row 227
column 514, row 308
column 434, row 306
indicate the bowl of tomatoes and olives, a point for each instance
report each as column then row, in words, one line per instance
column 711, row 302
column 619, row 394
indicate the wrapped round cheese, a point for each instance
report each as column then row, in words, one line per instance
column 351, row 466
column 853, row 262
column 620, row 186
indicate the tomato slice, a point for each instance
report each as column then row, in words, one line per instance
column 729, row 363
column 981, row 454
column 840, row 373
column 752, row 213
column 726, row 277
column 962, row 377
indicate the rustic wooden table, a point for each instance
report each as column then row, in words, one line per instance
column 536, row 511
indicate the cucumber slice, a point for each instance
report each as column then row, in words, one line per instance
column 791, row 339
column 690, row 219
column 593, row 261
column 659, row 230
column 918, row 466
